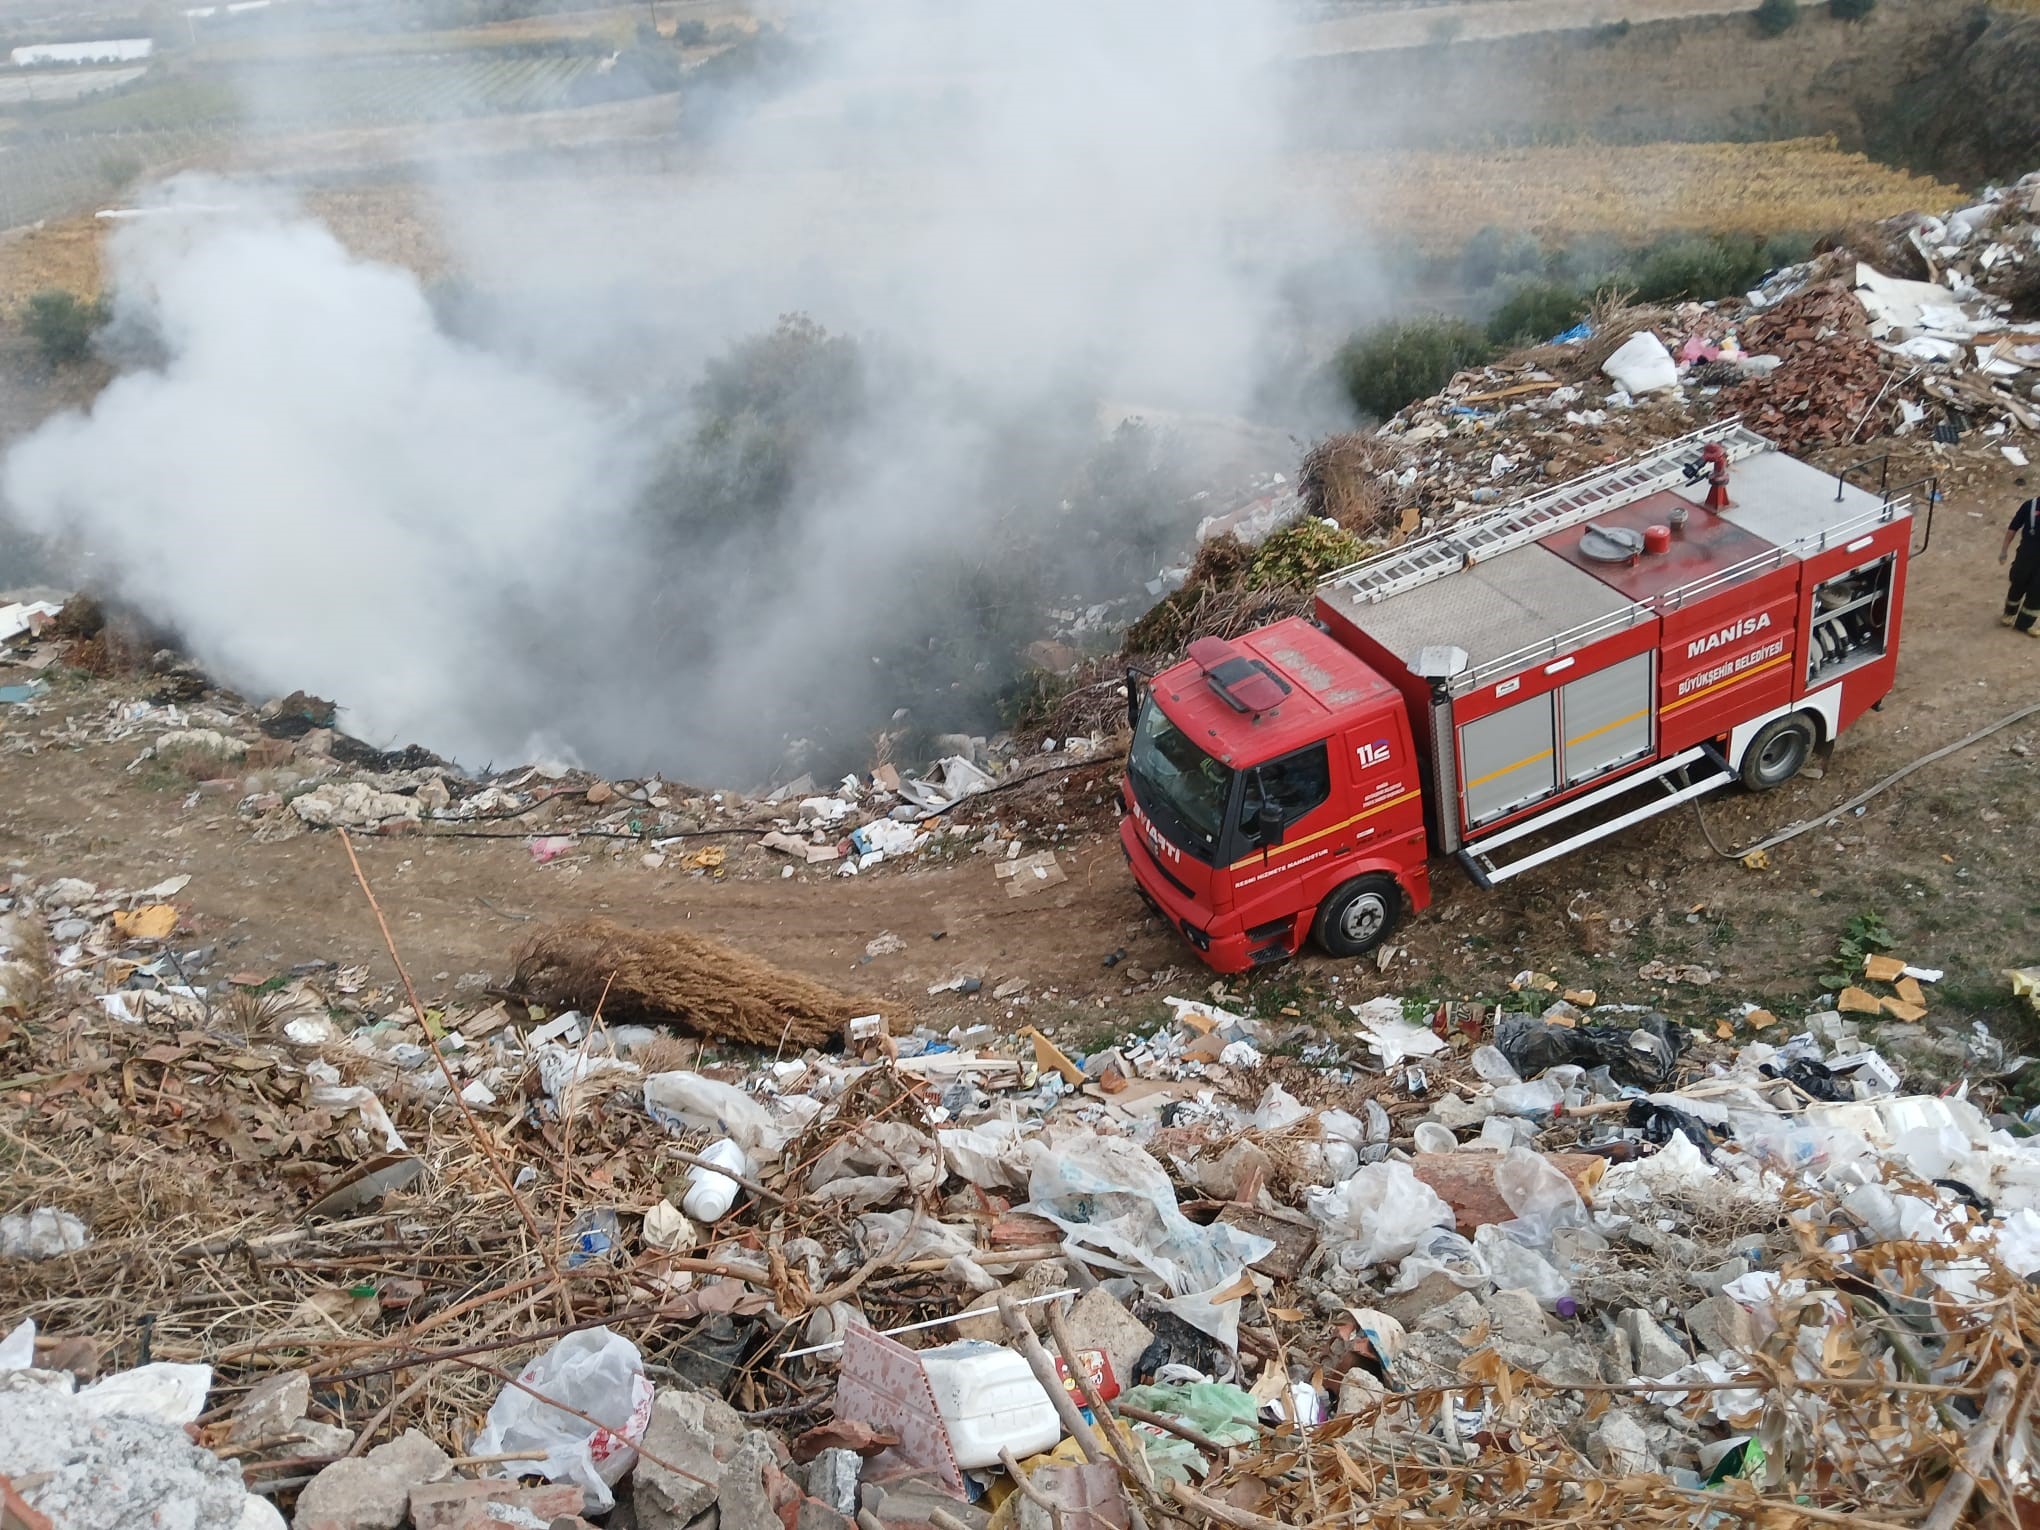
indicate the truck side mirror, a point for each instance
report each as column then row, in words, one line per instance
column 1268, row 822
column 1132, row 699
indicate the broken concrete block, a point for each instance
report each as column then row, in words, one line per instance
column 678, row 1475
column 1711, row 1281
column 412, row 1459
column 271, row 1407
column 1459, row 1314
column 1100, row 1321
column 317, row 1439
column 1721, row 1324
column 1425, row 1300
column 1621, row 1448
column 1653, row 1352
column 833, row 1477
column 1571, row 1365
column 1039, row 1280
column 352, row 1495
column 753, row 1488
column 1515, row 1315
column 905, row 1505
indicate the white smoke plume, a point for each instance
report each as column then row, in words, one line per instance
column 1019, row 213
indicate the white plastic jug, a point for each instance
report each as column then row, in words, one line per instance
column 988, row 1397
column 709, row 1194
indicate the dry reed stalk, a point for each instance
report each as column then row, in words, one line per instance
column 453, row 1085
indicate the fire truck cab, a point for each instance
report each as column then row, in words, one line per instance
column 1527, row 681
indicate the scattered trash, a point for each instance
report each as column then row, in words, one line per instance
column 583, row 1407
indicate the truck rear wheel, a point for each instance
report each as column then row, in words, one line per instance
column 1777, row 752
column 1359, row 916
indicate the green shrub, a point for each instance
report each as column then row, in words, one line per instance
column 1302, row 553
column 1494, row 253
column 1391, row 365
column 62, row 325
column 1534, row 311
column 1851, row 10
column 1698, row 268
column 1777, row 17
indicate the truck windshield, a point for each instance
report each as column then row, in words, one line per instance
column 1181, row 788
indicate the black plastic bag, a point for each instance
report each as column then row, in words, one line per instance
column 1643, row 1058
column 1817, row 1079
column 1661, row 1123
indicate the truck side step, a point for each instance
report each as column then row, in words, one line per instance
column 1478, row 856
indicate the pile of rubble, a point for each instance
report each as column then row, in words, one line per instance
column 1931, row 332
column 487, row 1265
column 287, row 770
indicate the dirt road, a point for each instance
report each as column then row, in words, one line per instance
column 1945, row 859
column 1369, row 29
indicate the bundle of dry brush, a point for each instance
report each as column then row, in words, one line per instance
column 665, row 977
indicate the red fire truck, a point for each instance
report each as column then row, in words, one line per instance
column 1511, row 688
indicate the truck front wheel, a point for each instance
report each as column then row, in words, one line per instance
column 1777, row 752
column 1359, row 916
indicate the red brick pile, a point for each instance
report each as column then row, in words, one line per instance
column 1832, row 385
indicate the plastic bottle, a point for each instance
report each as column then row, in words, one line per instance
column 1494, row 1067
column 709, row 1194
column 1537, row 1098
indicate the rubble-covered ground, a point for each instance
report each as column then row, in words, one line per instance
column 1661, row 1183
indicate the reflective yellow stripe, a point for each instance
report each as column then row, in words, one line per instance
column 1620, row 722
column 1496, row 775
column 1297, row 844
column 1749, row 674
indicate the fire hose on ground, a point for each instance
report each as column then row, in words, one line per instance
column 1865, row 796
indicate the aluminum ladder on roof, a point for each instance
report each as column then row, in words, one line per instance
column 1456, row 547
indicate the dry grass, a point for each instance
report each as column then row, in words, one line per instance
column 671, row 978
column 1341, row 478
column 1628, row 192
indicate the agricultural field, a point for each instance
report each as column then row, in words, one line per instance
column 26, row 87
column 1630, row 193
column 374, row 89
column 55, row 177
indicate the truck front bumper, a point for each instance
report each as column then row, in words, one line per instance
column 1218, row 950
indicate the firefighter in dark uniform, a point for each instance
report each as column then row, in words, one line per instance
column 2022, row 600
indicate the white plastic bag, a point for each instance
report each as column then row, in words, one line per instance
column 993, row 1155
column 693, row 1103
column 1442, row 1253
column 161, row 1389
column 1279, row 1109
column 1543, row 1199
column 595, row 1372
column 1116, row 1204
column 1643, row 365
column 1494, row 1067
column 1384, row 1212
column 17, row 1350
column 1516, row 1268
